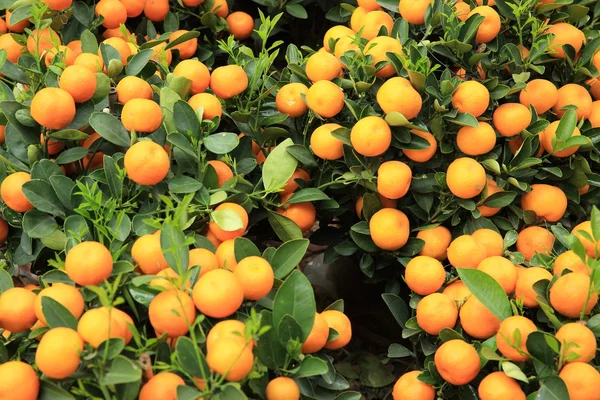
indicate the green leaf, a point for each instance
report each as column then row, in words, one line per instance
column 227, row 220
column 112, row 347
column 57, row 240
column 351, row 395
column 229, row 392
column 284, row 228
column 397, row 307
column 138, row 62
column 268, row 349
column 122, row 370
column 42, row 196
column 45, row 169
column 500, row 199
column 50, row 391
column 465, row 119
column 278, row 167
column 544, row 347
column 186, row 120
column 486, row 290
column 172, row 243
column 311, row 366
column 70, row 155
column 63, row 187
column 57, row 315
column 221, row 143
column 398, row 351
column 288, row 256
column 309, row 194
column 113, row 177
column 288, row 330
column 188, row 393
column 38, row 224
column 69, row 134
column 191, row 358
column 297, row 11
column 567, row 125
column 183, row 184
column 295, row 298
column 183, row 38
column 89, row 44
column 514, row 371
column 553, row 388
column 302, row 154
column 110, row 128
column 595, row 222
column 243, row 248
column 5, row 281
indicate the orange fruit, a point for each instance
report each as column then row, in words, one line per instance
column 222, row 234
column 324, row 144
column 19, row 381
column 547, row 136
column 186, row 49
column 291, row 185
column 475, row 141
column 62, row 344
column 591, row 248
column 398, row 95
column 12, row 194
column 341, row 324
column 356, row 18
column 323, row 66
column 539, row 93
column 124, row 320
column 227, row 329
column 53, row 108
column 195, row 71
column 436, row 240
column 465, row 178
column 534, row 239
column 317, row 338
column 462, row 10
column 93, row 62
column 19, row 27
column 54, row 146
column 289, row 99
column 210, row 104
column 569, row 293
column 89, row 263
column 513, row 345
column 206, row 259
column 118, row 44
column 347, row 44
column 168, row 279
column 573, row 95
column 435, row 312
column 283, row 388
column 594, row 117
column 385, row 203
column 65, row 54
column 3, row 230
column 378, row 48
column 241, row 25
column 119, row 32
column 17, row 310
column 336, row 33
column 373, row 21
column 141, row 115
column 68, row 296
column 492, row 188
column 113, row 12
column 256, row 277
column 584, row 190
column 466, row 252
column 172, row 312
column 498, row 385
column 369, row 5
column 132, row 87
column 218, row 293
column 146, row 162
column 161, row 386
column 134, row 7
column 502, row 270
column 325, row 99
column 491, row 240
column 13, row 48
column 457, row 362
column 226, row 255
column 424, row 275
column 511, row 119
column 148, row 255
column 582, row 381
column 547, row 201
column 79, row 82
column 413, row 11
column 408, row 386
column 228, row 81
column 526, row 278
column 231, row 358
column 220, row 8
column 224, row 173
column 161, row 54
column 565, row 34
column 578, row 342
column 491, row 25
column 97, row 325
column 303, row 214
column 393, row 179
column 471, row 97
column 371, row 136
column 423, row 155
column 42, row 40
column 477, row 320
column 389, row 220
column 156, row 10
column 571, row 261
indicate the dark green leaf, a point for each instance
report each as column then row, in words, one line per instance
column 486, row 290
column 288, row 256
column 295, row 298
column 110, row 128
column 57, row 315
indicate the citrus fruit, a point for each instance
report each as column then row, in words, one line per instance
column 371, row 136
column 256, row 277
column 231, row 358
column 89, row 263
column 283, row 388
column 317, row 338
column 569, row 295
column 466, row 252
column 389, row 220
column 59, row 353
column 477, row 320
column 465, row 178
column 511, row 344
column 424, row 275
column 341, row 324
column 435, row 312
column 457, row 362
column 218, row 293
column 172, row 312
